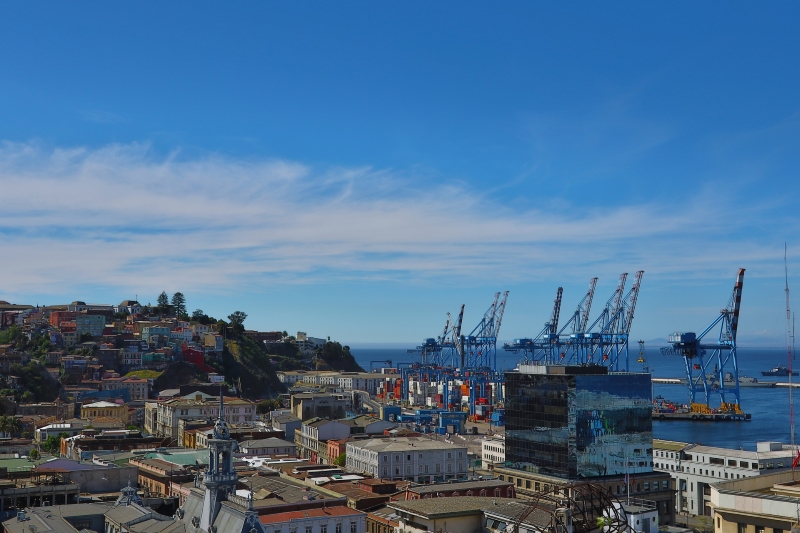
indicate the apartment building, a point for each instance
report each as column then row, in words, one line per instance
column 312, row 439
column 138, row 388
column 493, row 452
column 164, row 422
column 106, row 410
column 694, row 468
column 411, row 458
column 91, row 324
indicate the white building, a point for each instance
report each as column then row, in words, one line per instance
column 412, row 458
column 270, row 446
column 694, row 468
column 308, row 344
column 193, row 406
column 315, row 434
column 493, row 452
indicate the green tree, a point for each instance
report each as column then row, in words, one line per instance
column 5, row 425
column 237, row 319
column 35, row 455
column 15, row 426
column 179, row 304
column 52, row 444
column 200, row 317
column 266, row 406
column 341, row 460
column 163, row 303
column 221, row 326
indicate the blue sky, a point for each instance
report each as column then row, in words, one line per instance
column 359, row 169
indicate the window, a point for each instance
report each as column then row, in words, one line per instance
column 743, row 464
column 408, row 457
column 308, row 529
column 323, row 528
column 731, row 462
column 646, row 485
column 449, row 455
column 716, row 461
column 754, row 466
column 759, row 529
column 339, row 528
column 438, row 468
column 353, row 527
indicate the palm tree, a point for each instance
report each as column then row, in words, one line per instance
column 5, row 427
column 15, row 426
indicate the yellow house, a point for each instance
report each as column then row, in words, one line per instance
column 105, row 410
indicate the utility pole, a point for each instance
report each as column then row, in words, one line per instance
column 789, row 338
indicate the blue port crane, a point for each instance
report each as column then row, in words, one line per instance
column 553, row 345
column 606, row 339
column 480, row 346
column 700, row 354
column 544, row 346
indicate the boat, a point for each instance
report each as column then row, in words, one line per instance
column 778, row 371
column 746, row 381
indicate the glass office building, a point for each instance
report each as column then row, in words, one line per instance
column 578, row 422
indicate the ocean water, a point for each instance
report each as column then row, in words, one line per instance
column 769, row 407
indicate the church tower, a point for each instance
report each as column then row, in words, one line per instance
column 220, row 478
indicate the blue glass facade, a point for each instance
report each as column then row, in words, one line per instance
column 579, row 422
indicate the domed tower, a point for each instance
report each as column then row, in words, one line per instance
column 220, row 478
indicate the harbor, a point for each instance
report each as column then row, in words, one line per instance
column 769, row 418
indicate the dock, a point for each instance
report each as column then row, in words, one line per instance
column 700, row 417
column 669, row 381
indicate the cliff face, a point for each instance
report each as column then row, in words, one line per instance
column 246, row 364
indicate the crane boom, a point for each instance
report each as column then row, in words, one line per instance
column 556, row 312
column 587, row 302
column 501, row 309
column 632, row 297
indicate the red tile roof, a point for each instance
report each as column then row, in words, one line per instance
column 309, row 513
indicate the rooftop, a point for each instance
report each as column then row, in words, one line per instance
column 271, row 442
column 278, row 518
column 443, row 507
column 461, row 485
column 403, row 444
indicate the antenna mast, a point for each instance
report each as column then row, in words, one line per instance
column 789, row 339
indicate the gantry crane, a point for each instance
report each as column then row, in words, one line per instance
column 544, row 346
column 702, row 381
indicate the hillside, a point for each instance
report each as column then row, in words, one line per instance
column 247, row 362
column 174, row 376
column 334, row 356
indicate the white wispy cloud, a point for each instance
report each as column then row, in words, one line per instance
column 72, row 217
column 100, row 116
